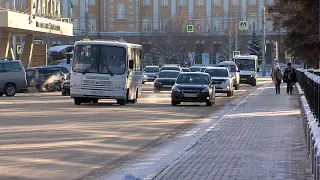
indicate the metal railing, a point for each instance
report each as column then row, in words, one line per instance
column 309, row 103
column 310, row 84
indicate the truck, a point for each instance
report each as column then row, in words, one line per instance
column 248, row 66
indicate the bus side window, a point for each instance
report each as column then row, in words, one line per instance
column 137, row 60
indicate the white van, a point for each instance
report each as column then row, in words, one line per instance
column 234, row 71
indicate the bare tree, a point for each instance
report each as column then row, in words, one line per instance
column 170, row 43
column 228, row 43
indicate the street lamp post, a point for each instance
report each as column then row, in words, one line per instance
column 263, row 42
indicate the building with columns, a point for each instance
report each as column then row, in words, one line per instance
column 140, row 21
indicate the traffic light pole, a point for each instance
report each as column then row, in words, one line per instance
column 263, row 42
column 236, row 35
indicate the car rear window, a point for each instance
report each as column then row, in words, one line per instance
column 10, row 67
column 170, row 68
column 232, row 68
column 217, row 72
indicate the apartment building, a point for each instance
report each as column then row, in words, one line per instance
column 145, row 21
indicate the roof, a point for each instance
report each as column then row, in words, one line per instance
column 58, row 48
column 202, row 73
column 170, row 71
column 246, row 56
column 227, row 63
column 112, row 43
column 217, row 68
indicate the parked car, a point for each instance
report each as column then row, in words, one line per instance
column 35, row 80
column 12, row 77
column 150, row 73
column 195, row 68
column 193, row 87
column 46, row 78
column 59, row 52
column 65, row 91
column 170, row 67
column 222, row 80
column 61, row 62
column 66, row 69
column 184, row 69
column 165, row 80
column 234, row 71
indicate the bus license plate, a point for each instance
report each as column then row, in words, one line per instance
column 96, row 93
column 190, row 95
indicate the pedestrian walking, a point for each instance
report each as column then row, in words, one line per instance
column 271, row 74
column 289, row 77
column 276, row 78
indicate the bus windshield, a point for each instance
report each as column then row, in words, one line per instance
column 100, row 59
column 246, row 64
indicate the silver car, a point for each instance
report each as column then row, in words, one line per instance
column 12, row 77
column 222, row 79
column 234, row 71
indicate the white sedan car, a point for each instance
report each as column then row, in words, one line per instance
column 222, row 80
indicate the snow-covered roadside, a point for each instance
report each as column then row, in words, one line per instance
column 312, row 130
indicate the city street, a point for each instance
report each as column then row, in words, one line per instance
column 45, row 136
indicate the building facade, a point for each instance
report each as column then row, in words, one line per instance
column 147, row 21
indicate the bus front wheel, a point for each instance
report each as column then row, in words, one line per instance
column 121, row 102
column 77, row 101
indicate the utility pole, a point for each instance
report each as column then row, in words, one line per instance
column 263, row 41
column 86, row 20
column 14, row 38
column 236, row 35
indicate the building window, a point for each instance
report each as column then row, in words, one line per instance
column 163, row 25
column 74, row 2
column 92, row 23
column 235, row 2
column 200, row 25
column 131, row 25
column 252, row 24
column 216, row 2
column 146, row 24
column 112, row 25
column 200, row 3
column 91, row 2
column 164, row 2
column 252, row 2
column 146, row 3
column 216, row 24
column 270, row 2
column 121, row 11
column 269, row 26
column 182, row 3
column 75, row 23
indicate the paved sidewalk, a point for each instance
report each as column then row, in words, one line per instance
column 260, row 139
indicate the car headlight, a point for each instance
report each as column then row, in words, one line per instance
column 252, row 76
column 175, row 89
column 205, row 89
column 145, row 76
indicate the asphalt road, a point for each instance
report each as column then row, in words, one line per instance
column 45, row 136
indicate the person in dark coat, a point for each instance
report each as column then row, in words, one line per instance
column 289, row 77
column 276, row 77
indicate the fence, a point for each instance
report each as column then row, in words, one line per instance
column 309, row 101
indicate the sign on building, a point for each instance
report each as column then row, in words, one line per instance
column 66, row 20
column 19, row 49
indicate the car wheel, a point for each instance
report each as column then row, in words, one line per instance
column 56, row 87
column 10, row 90
column 121, row 102
column 237, row 87
column 95, row 101
column 254, row 84
column 1, row 93
column 174, row 103
column 143, row 82
column 229, row 94
column 63, row 93
column 209, row 103
column 77, row 101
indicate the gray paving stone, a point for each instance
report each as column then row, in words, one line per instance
column 260, row 139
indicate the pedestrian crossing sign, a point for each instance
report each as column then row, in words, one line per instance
column 19, row 49
column 243, row 25
column 66, row 20
column 287, row 55
column 235, row 53
column 190, row 28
